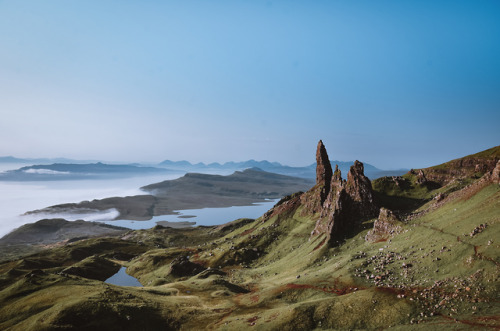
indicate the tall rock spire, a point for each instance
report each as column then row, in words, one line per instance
column 359, row 188
column 323, row 166
column 342, row 206
column 313, row 199
column 347, row 205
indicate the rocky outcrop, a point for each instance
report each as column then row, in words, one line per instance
column 421, row 179
column 323, row 166
column 495, row 174
column 469, row 166
column 314, row 199
column 492, row 176
column 346, row 204
column 384, row 227
column 181, row 267
column 359, row 189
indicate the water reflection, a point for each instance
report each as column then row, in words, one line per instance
column 205, row 216
column 121, row 278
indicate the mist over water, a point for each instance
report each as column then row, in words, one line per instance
column 16, row 198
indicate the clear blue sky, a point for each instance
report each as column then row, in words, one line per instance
column 391, row 83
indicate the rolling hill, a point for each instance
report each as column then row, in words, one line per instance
column 406, row 252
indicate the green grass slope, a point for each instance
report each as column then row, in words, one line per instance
column 441, row 271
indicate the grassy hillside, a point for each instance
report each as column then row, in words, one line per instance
column 441, row 270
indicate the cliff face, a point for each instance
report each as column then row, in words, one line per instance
column 359, row 189
column 342, row 205
column 495, row 174
column 323, row 171
column 473, row 165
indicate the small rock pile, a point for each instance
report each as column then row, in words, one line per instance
column 478, row 229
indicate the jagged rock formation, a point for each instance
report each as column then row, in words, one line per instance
column 421, row 179
column 385, row 226
column 359, row 188
column 342, row 205
column 323, row 170
column 314, row 199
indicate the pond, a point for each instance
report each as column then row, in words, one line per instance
column 121, row 278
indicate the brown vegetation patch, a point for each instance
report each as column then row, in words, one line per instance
column 244, row 233
column 251, row 320
column 320, row 244
column 336, row 289
column 492, row 322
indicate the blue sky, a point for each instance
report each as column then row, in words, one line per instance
column 392, row 83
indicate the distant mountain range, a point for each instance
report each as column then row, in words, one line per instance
column 276, row 167
column 63, row 169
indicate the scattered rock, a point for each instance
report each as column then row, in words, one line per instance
column 440, row 197
column 478, row 229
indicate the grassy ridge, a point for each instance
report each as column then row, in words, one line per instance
column 442, row 270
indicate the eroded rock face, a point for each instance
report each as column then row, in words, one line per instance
column 323, row 166
column 314, row 199
column 360, row 190
column 347, row 203
column 495, row 175
column 421, row 179
column 384, row 227
column 465, row 167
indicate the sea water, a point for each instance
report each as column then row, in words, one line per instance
column 205, row 216
column 16, row 198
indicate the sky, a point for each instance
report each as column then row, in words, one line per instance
column 397, row 84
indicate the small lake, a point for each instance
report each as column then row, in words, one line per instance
column 121, row 278
column 205, row 216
